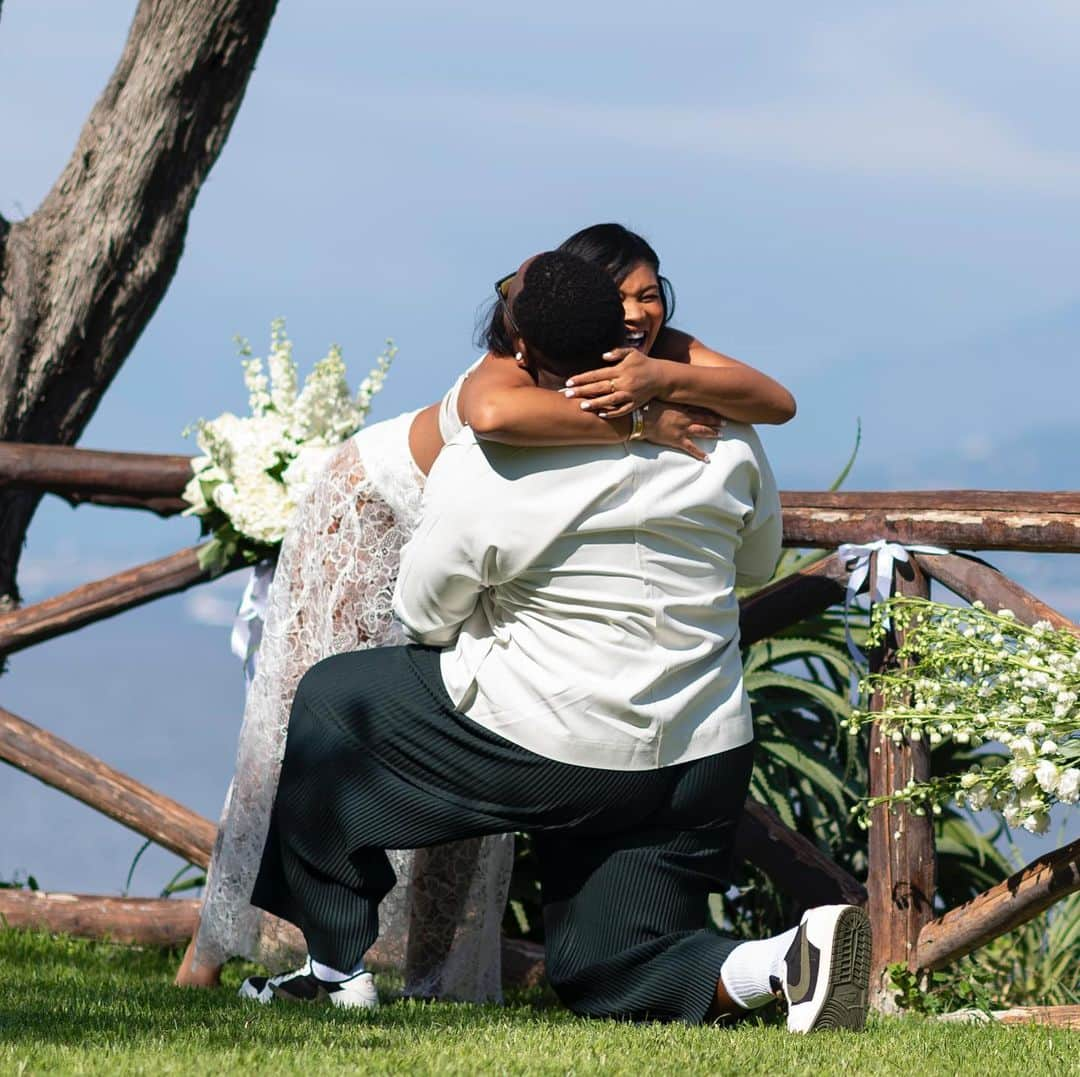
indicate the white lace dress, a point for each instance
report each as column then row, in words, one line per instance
column 332, row 593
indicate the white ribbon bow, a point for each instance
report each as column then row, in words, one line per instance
column 888, row 553
column 247, row 627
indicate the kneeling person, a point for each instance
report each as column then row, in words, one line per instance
column 577, row 675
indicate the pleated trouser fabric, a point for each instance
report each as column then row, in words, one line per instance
column 378, row 758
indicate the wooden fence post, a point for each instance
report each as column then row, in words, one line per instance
column 900, row 880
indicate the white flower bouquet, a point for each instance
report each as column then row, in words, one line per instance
column 974, row 677
column 254, row 469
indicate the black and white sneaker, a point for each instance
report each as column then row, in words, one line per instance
column 356, row 993
column 827, row 970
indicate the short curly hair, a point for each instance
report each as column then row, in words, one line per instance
column 569, row 311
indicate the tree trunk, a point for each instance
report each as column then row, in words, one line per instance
column 81, row 277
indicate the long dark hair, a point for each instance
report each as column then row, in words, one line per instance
column 618, row 250
column 612, row 247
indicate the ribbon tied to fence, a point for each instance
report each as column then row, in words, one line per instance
column 862, row 553
column 247, row 627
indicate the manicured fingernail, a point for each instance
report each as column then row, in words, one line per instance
column 704, row 459
column 602, row 414
column 568, row 392
column 584, row 405
column 569, row 381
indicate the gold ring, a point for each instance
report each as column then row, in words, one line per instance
column 612, row 386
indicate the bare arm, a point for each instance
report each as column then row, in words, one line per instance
column 682, row 370
column 502, row 403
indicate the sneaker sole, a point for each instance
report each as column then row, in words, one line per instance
column 344, row 1003
column 848, row 992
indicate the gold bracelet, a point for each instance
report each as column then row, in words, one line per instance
column 637, row 425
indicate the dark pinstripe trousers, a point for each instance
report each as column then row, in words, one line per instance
column 378, row 758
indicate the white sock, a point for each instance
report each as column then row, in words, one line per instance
column 745, row 973
column 334, row 976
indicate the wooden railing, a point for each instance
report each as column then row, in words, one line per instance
column 900, row 888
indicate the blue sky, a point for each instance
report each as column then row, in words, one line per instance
column 879, row 206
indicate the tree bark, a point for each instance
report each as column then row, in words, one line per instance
column 82, row 275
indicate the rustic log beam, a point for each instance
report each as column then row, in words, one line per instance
column 964, row 519
column 101, row 599
column 792, row 599
column 65, row 767
column 80, row 474
column 170, row 922
column 1065, row 502
column 1011, row 903
column 973, row 580
column 795, row 864
column 1053, row 1016
column 901, row 875
column 137, row 921
column 952, row 528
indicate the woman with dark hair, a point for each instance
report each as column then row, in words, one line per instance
column 335, row 577
column 657, row 363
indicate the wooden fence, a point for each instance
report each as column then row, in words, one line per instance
column 900, row 888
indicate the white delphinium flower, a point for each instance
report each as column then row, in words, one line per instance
column 258, row 385
column 1020, row 775
column 376, row 377
column 1022, row 746
column 282, row 369
column 1037, row 823
column 324, row 412
column 1012, row 814
column 1047, row 775
column 1068, row 788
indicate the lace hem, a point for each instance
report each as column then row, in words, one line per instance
column 332, row 593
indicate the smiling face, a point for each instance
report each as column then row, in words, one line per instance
column 643, row 307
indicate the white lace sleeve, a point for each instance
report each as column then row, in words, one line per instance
column 332, row 593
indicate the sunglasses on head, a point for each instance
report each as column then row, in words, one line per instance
column 502, row 294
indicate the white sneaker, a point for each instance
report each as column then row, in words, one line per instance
column 356, row 993
column 827, row 970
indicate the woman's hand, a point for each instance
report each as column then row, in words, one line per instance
column 676, row 425
column 631, row 380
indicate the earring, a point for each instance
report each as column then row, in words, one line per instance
column 518, row 356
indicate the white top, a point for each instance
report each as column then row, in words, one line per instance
column 585, row 595
column 450, row 420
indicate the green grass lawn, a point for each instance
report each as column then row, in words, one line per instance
column 77, row 1007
